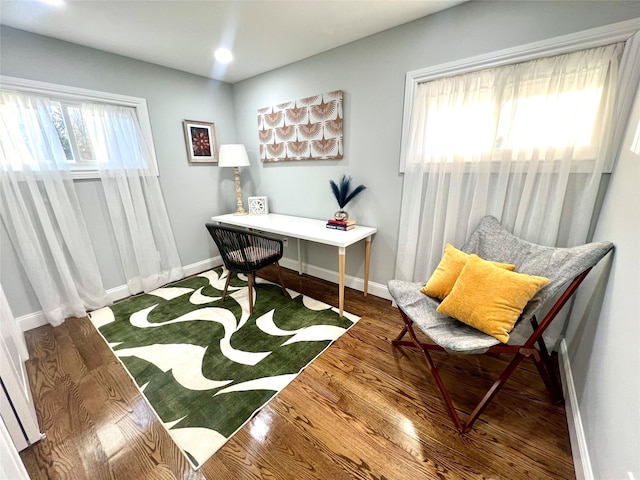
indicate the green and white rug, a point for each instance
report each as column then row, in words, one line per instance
column 206, row 366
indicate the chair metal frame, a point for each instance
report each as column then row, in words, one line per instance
column 230, row 239
column 528, row 349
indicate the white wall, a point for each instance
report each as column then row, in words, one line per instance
column 604, row 328
column 192, row 192
column 371, row 72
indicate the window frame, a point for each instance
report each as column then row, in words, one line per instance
column 595, row 37
column 65, row 93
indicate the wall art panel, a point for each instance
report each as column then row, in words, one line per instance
column 305, row 129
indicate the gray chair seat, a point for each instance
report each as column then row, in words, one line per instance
column 451, row 334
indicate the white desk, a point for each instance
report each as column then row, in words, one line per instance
column 312, row 230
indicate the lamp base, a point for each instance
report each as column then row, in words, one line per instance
column 241, row 211
column 240, row 207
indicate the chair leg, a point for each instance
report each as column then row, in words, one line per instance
column 226, row 284
column 465, row 426
column 284, row 290
column 407, row 325
column 251, row 277
column 547, row 379
column 545, row 369
column 401, row 335
column 443, row 391
column 497, row 385
column 432, row 368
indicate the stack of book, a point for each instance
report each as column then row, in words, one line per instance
column 340, row 224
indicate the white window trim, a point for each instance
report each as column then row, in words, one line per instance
column 65, row 92
column 595, row 37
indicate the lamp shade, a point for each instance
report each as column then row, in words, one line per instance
column 233, row 155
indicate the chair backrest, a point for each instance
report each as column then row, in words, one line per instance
column 491, row 241
column 244, row 251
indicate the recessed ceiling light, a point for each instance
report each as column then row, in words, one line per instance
column 57, row 3
column 223, row 55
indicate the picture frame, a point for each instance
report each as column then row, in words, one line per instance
column 258, row 206
column 310, row 128
column 200, row 138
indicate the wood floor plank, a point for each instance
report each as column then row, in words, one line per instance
column 363, row 409
column 110, row 394
column 91, row 347
column 161, row 472
column 502, row 410
column 405, row 420
column 32, row 465
column 283, row 451
column 57, row 460
column 336, row 429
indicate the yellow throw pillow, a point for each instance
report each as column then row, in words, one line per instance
column 490, row 298
column 447, row 271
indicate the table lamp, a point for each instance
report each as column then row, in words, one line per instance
column 235, row 155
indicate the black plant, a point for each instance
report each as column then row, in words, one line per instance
column 342, row 190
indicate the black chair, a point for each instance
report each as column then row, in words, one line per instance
column 246, row 252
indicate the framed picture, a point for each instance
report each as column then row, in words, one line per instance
column 305, row 129
column 258, row 206
column 201, row 141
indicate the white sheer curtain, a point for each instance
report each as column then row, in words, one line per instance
column 526, row 143
column 41, row 212
column 136, row 206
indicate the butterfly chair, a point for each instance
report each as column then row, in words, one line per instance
column 565, row 268
column 246, row 252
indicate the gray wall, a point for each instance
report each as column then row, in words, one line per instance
column 192, row 192
column 371, row 72
column 604, row 329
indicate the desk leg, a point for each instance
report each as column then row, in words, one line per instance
column 342, row 252
column 299, row 257
column 367, row 257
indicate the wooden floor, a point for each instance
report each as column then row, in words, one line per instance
column 363, row 409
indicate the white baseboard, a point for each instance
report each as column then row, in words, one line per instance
column 37, row 319
column 31, row 320
column 118, row 293
column 356, row 283
column 202, row 266
column 579, row 448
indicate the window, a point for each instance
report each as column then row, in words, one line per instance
column 71, row 126
column 73, row 134
column 538, row 121
column 483, row 123
column 463, row 128
column 524, row 135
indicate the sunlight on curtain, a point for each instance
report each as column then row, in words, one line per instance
column 41, row 211
column 147, row 247
column 525, row 143
column 635, row 144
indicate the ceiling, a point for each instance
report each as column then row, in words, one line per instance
column 183, row 34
